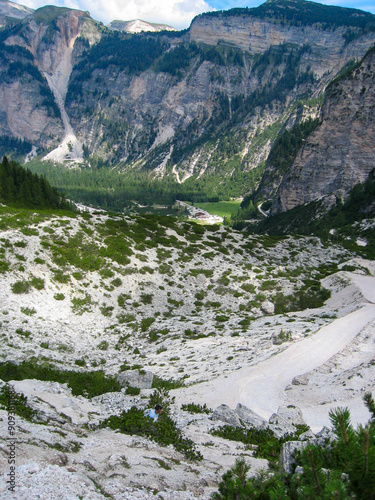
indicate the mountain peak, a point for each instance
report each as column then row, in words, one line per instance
column 138, row 25
column 11, row 12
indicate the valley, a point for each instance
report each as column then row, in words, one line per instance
column 187, row 220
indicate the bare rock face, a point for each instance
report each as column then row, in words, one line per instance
column 251, row 418
column 24, row 116
column 286, row 454
column 134, row 378
column 227, row 415
column 29, row 98
column 291, row 414
column 340, row 152
column 11, row 12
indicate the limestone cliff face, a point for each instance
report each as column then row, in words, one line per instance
column 11, row 13
column 256, row 36
column 340, row 152
column 144, row 118
column 32, row 96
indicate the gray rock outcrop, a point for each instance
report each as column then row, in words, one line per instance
column 135, row 378
column 286, row 454
column 227, row 415
column 285, row 420
column 250, row 418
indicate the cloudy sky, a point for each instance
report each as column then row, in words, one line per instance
column 177, row 13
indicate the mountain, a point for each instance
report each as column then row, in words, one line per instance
column 11, row 13
column 339, row 152
column 194, row 113
column 137, row 26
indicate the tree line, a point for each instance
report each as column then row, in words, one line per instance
column 21, row 187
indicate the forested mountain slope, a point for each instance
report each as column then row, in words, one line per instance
column 199, row 109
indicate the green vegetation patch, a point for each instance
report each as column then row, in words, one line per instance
column 85, row 383
column 164, row 431
column 221, row 208
column 21, row 287
column 15, row 402
column 196, row 408
column 342, row 469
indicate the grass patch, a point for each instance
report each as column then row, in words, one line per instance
column 221, row 208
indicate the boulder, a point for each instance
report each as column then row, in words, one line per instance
column 306, row 436
column 291, row 414
column 301, row 379
column 250, row 418
column 267, row 307
column 227, row 415
column 285, row 420
column 325, row 436
column 286, row 454
column 135, row 378
column 280, row 427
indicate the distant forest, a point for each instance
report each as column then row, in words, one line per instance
column 285, row 12
column 20, row 187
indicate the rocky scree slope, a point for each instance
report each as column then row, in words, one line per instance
column 136, row 296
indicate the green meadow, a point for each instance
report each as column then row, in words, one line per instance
column 221, row 208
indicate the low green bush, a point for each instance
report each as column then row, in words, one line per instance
column 85, row 383
column 164, row 431
column 15, row 402
column 29, row 311
column 21, row 287
column 132, row 391
column 343, row 469
column 37, row 283
column 196, row 408
column 267, row 444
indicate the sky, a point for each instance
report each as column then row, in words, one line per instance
column 176, row 13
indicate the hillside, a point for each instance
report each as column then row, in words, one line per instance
column 195, row 111
column 162, row 303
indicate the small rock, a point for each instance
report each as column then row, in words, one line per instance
column 300, row 380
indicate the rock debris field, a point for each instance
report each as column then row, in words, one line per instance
column 264, row 331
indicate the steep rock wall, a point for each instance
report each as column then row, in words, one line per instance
column 340, row 152
column 257, row 36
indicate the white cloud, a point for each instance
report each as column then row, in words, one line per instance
column 177, row 13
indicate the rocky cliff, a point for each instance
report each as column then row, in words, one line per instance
column 11, row 13
column 203, row 106
column 35, row 70
column 340, row 152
